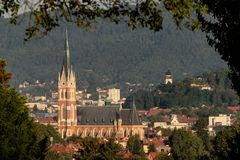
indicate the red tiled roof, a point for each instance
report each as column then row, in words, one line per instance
column 233, row 108
column 44, row 119
column 181, row 119
column 154, row 111
column 157, row 142
column 60, row 148
column 152, row 155
column 127, row 155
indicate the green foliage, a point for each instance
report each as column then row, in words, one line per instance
column 181, row 94
column 164, row 157
column 223, row 33
column 151, row 148
column 150, row 55
column 186, row 146
column 18, row 139
column 135, row 145
column 227, row 144
column 92, row 148
column 52, row 155
column 4, row 75
column 48, row 131
column 202, row 132
column 46, row 16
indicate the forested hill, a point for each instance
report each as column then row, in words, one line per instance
column 108, row 54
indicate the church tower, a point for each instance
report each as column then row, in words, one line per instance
column 168, row 78
column 67, row 110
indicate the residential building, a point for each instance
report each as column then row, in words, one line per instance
column 176, row 122
column 217, row 123
column 114, row 95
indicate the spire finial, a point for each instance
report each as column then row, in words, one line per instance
column 67, row 52
column 66, row 61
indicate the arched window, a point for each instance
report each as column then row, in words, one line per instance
column 69, row 132
column 125, row 133
column 64, row 134
column 64, row 113
column 95, row 133
column 104, row 133
column 79, row 133
column 62, row 94
column 112, row 133
column 88, row 133
column 65, row 95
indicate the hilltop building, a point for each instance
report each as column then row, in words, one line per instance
column 95, row 121
column 168, row 78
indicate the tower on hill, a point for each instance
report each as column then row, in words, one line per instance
column 168, row 78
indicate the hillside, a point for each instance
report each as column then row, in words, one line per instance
column 108, row 54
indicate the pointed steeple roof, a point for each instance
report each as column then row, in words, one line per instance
column 66, row 65
column 134, row 115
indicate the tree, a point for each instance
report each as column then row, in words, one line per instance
column 92, row 148
column 151, row 148
column 186, row 146
column 43, row 131
column 223, row 33
column 134, row 145
column 201, row 130
column 227, row 144
column 164, row 157
column 52, row 155
column 17, row 130
column 45, row 15
column 4, row 75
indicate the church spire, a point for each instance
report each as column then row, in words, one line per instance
column 66, row 66
column 134, row 115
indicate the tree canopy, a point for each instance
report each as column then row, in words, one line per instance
column 92, row 148
column 17, row 130
column 186, row 146
column 226, row 144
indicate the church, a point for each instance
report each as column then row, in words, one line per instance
column 87, row 121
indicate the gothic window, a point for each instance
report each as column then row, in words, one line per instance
column 79, row 133
column 95, row 133
column 64, row 134
column 88, row 132
column 69, row 132
column 65, row 94
column 72, row 112
column 64, row 113
column 104, row 133
column 62, row 94
column 125, row 133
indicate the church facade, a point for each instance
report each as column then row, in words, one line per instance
column 95, row 121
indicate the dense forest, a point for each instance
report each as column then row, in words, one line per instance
column 181, row 94
column 108, row 54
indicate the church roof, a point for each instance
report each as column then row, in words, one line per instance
column 97, row 115
column 129, row 117
column 105, row 116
